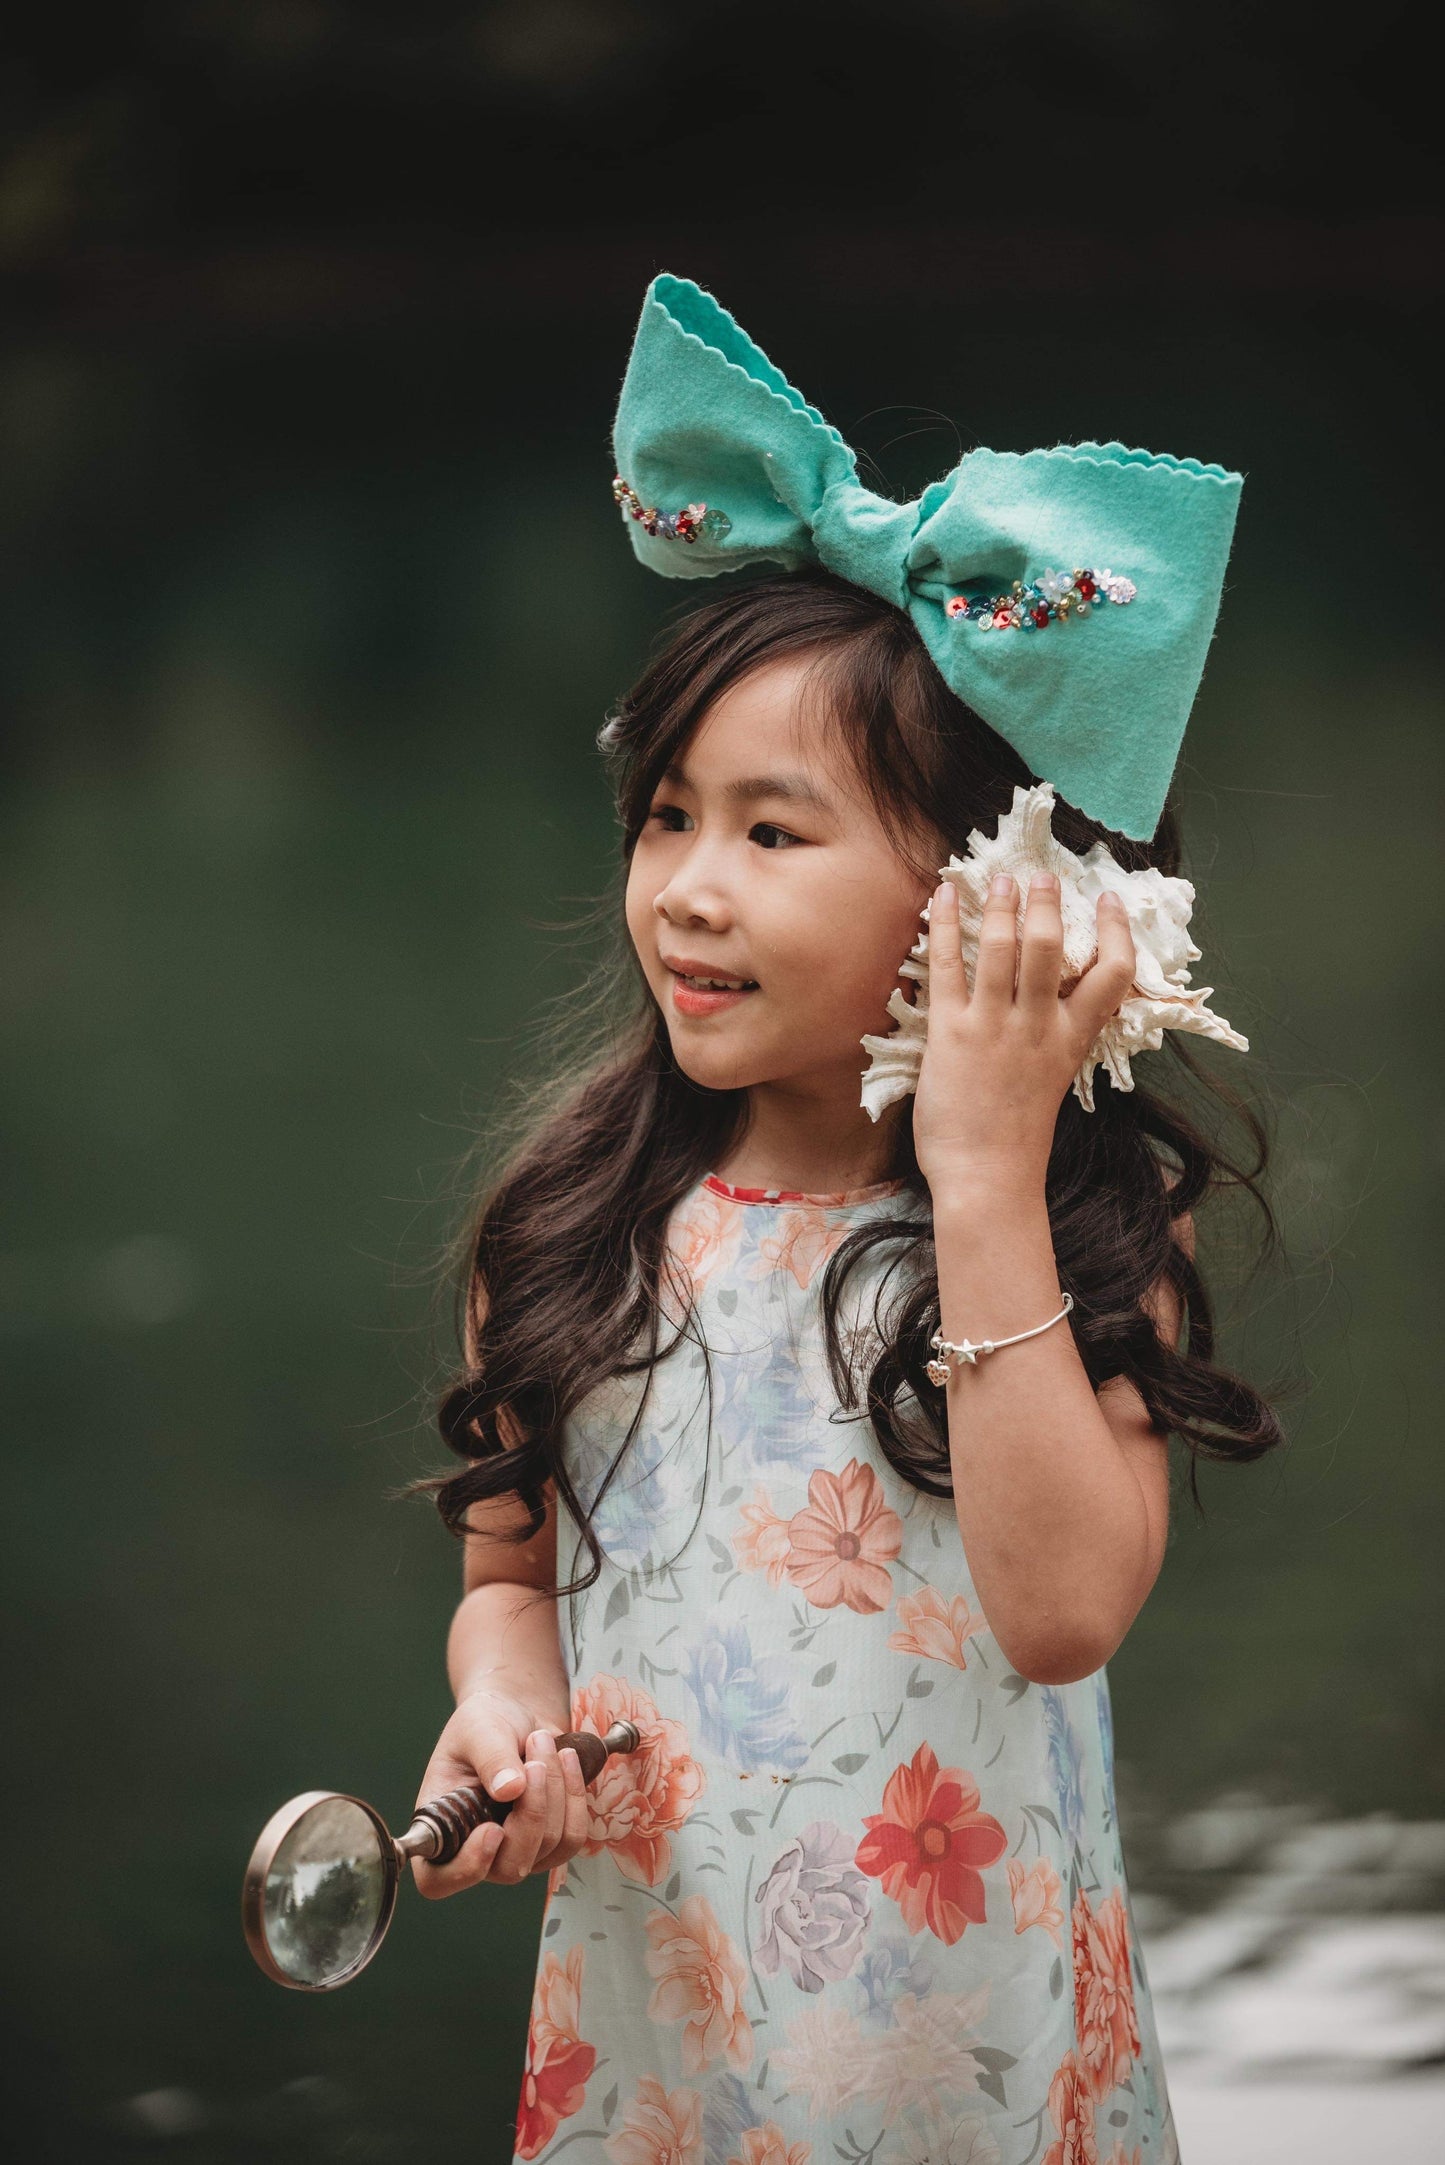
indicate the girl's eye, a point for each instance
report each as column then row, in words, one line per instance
column 668, row 814
column 765, row 828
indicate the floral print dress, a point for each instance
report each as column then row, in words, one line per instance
column 859, row 1895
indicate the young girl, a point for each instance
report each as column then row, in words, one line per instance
column 859, row 1893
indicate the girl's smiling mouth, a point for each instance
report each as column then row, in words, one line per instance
column 698, row 990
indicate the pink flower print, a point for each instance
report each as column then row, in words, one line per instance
column 641, row 1797
column 701, row 1983
column 768, row 2145
column 1105, row 2021
column 842, row 1541
column 761, row 1542
column 1120, row 2156
column 922, row 2060
column 705, row 1237
column 1035, row 1889
column 1071, row 2108
column 929, row 1844
column 828, row 2058
column 934, row 1629
column 802, row 1244
column 659, row 2127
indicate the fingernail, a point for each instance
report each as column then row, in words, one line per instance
column 1001, row 883
column 543, row 1743
column 1041, row 881
column 506, row 1779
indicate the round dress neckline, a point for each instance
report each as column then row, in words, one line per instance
column 838, row 1200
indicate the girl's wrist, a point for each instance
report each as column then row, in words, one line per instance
column 524, row 1689
column 966, row 1190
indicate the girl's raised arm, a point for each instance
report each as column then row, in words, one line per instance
column 1062, row 1494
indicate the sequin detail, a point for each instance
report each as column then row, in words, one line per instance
column 685, row 525
column 1050, row 599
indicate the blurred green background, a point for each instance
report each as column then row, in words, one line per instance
column 313, row 600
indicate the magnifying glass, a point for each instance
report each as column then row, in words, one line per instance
column 321, row 1883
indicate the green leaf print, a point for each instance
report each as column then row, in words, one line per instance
column 619, row 1602
column 850, row 1762
column 827, row 1673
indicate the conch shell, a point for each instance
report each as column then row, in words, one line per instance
column 1161, row 997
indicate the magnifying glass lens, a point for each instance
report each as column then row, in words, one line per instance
column 326, row 1892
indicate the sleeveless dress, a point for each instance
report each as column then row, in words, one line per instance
column 859, row 1895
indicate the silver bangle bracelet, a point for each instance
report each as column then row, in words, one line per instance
column 938, row 1371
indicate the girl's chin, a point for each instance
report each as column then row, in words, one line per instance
column 745, row 1067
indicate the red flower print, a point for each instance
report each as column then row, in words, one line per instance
column 1071, row 2109
column 929, row 1844
column 558, row 2063
column 841, row 1543
column 701, row 1983
column 1105, row 2022
column 640, row 1797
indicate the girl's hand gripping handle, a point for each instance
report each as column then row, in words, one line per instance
column 443, row 1823
column 505, row 1794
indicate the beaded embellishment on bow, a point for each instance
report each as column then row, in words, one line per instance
column 1050, row 599
column 684, row 525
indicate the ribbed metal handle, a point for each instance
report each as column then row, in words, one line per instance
column 443, row 1823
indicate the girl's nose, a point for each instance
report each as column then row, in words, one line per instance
column 691, row 899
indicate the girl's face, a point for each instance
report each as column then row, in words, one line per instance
column 763, row 863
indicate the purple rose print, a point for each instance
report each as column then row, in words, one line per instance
column 814, row 1905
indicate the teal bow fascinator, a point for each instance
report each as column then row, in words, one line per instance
column 1068, row 595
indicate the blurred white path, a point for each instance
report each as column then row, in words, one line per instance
column 1302, row 2012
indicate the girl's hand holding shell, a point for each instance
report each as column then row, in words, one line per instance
column 999, row 1058
column 1157, row 907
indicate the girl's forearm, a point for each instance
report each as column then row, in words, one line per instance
column 505, row 1637
column 1053, row 1519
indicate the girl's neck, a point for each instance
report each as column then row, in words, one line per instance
column 817, row 1148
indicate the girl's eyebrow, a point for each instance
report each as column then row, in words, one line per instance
column 748, row 789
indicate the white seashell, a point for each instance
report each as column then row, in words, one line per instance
column 1161, row 997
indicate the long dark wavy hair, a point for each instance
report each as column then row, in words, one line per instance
column 566, row 1266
